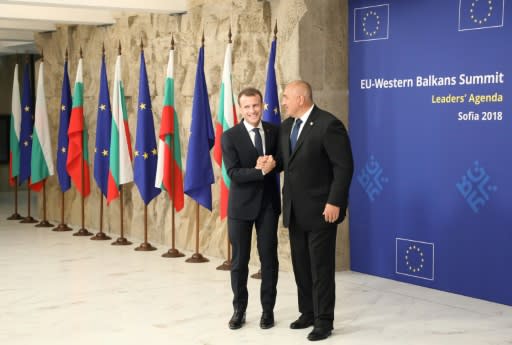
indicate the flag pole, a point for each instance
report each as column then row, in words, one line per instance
column 226, row 265
column 83, row 231
column 44, row 223
column 145, row 246
column 62, row 226
column 197, row 257
column 257, row 275
column 121, row 241
column 173, row 252
column 15, row 215
column 101, row 236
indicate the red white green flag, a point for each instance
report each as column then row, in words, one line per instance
column 226, row 118
column 78, row 151
column 120, row 164
column 41, row 164
column 14, row 143
column 169, row 171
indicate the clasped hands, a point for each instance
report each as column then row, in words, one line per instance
column 265, row 163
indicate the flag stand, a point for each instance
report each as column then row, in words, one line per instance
column 62, row 226
column 256, row 275
column 100, row 236
column 121, row 241
column 226, row 265
column 83, row 231
column 173, row 252
column 44, row 223
column 28, row 219
column 145, row 246
column 197, row 257
column 15, row 215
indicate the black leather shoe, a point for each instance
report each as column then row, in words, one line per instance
column 237, row 320
column 303, row 321
column 319, row 333
column 267, row 320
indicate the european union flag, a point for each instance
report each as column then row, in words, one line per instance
column 271, row 111
column 62, row 144
column 103, row 126
column 480, row 14
column 371, row 23
column 415, row 258
column 199, row 173
column 145, row 158
column 27, row 126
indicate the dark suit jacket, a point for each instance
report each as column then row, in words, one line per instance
column 249, row 188
column 319, row 171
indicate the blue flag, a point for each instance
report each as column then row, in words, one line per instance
column 145, row 157
column 199, row 173
column 103, row 126
column 62, row 144
column 27, row 126
column 271, row 111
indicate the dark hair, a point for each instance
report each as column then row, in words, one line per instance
column 250, row 91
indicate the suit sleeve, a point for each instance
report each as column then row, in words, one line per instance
column 338, row 149
column 234, row 169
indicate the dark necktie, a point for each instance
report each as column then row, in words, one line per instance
column 257, row 141
column 295, row 134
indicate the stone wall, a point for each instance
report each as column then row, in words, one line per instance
column 311, row 45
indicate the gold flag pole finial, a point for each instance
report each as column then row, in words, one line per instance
column 141, row 45
column 66, row 55
column 229, row 34
column 119, row 48
column 103, row 49
column 275, row 30
column 81, row 53
column 202, row 40
column 172, row 42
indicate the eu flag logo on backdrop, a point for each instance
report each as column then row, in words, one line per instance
column 480, row 14
column 371, row 23
column 415, row 258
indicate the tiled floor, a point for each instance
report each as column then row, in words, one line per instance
column 59, row 289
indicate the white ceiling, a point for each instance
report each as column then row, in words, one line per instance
column 20, row 19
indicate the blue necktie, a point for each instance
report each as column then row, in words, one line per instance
column 257, row 141
column 295, row 134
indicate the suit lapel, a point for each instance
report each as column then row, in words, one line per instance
column 306, row 129
column 268, row 137
column 245, row 139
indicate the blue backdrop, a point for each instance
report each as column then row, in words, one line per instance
column 431, row 132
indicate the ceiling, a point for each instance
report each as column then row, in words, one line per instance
column 20, row 19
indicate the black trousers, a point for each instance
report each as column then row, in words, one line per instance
column 240, row 235
column 313, row 260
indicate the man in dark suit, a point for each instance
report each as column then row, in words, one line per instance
column 247, row 151
column 316, row 157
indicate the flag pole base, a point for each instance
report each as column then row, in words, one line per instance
column 256, row 275
column 44, row 224
column 83, row 232
column 15, row 216
column 29, row 220
column 62, row 227
column 121, row 241
column 173, row 253
column 145, row 247
column 226, row 266
column 197, row 258
column 100, row 236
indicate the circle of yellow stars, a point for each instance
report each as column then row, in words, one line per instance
column 145, row 155
column 483, row 20
column 376, row 17
column 413, row 250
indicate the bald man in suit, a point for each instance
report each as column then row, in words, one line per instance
column 316, row 157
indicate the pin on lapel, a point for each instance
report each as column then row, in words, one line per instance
column 311, row 123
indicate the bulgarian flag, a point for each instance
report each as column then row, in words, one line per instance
column 169, row 171
column 41, row 163
column 14, row 143
column 78, row 152
column 226, row 118
column 120, row 164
